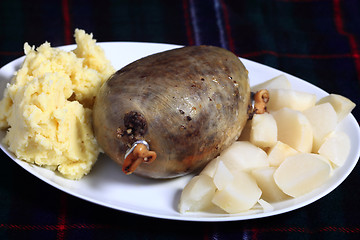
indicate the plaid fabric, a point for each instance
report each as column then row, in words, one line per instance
column 316, row 40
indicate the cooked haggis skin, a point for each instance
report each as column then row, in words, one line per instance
column 47, row 107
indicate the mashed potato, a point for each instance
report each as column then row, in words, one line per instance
column 47, row 107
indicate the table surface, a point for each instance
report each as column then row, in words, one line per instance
column 316, row 40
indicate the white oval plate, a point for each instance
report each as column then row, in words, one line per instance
column 106, row 185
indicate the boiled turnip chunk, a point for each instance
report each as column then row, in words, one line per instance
column 323, row 120
column 265, row 180
column 342, row 105
column 267, row 207
column 296, row 100
column 279, row 81
column 302, row 173
column 263, row 130
column 294, row 129
column 197, row 194
column 244, row 156
column 222, row 176
column 240, row 195
column 279, row 152
column 336, row 148
column 210, row 168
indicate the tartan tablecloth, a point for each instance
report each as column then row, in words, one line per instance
column 316, row 40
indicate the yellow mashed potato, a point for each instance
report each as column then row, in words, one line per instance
column 47, row 107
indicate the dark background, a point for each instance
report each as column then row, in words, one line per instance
column 316, row 40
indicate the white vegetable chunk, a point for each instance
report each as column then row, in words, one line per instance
column 302, row 173
column 238, row 196
column 263, row 130
column 270, row 190
column 342, row 105
column 336, row 148
column 243, row 156
column 210, row 168
column 222, row 176
column 323, row 120
column 294, row 129
column 279, row 152
column 197, row 194
column 279, row 81
column 267, row 207
column 296, row 100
